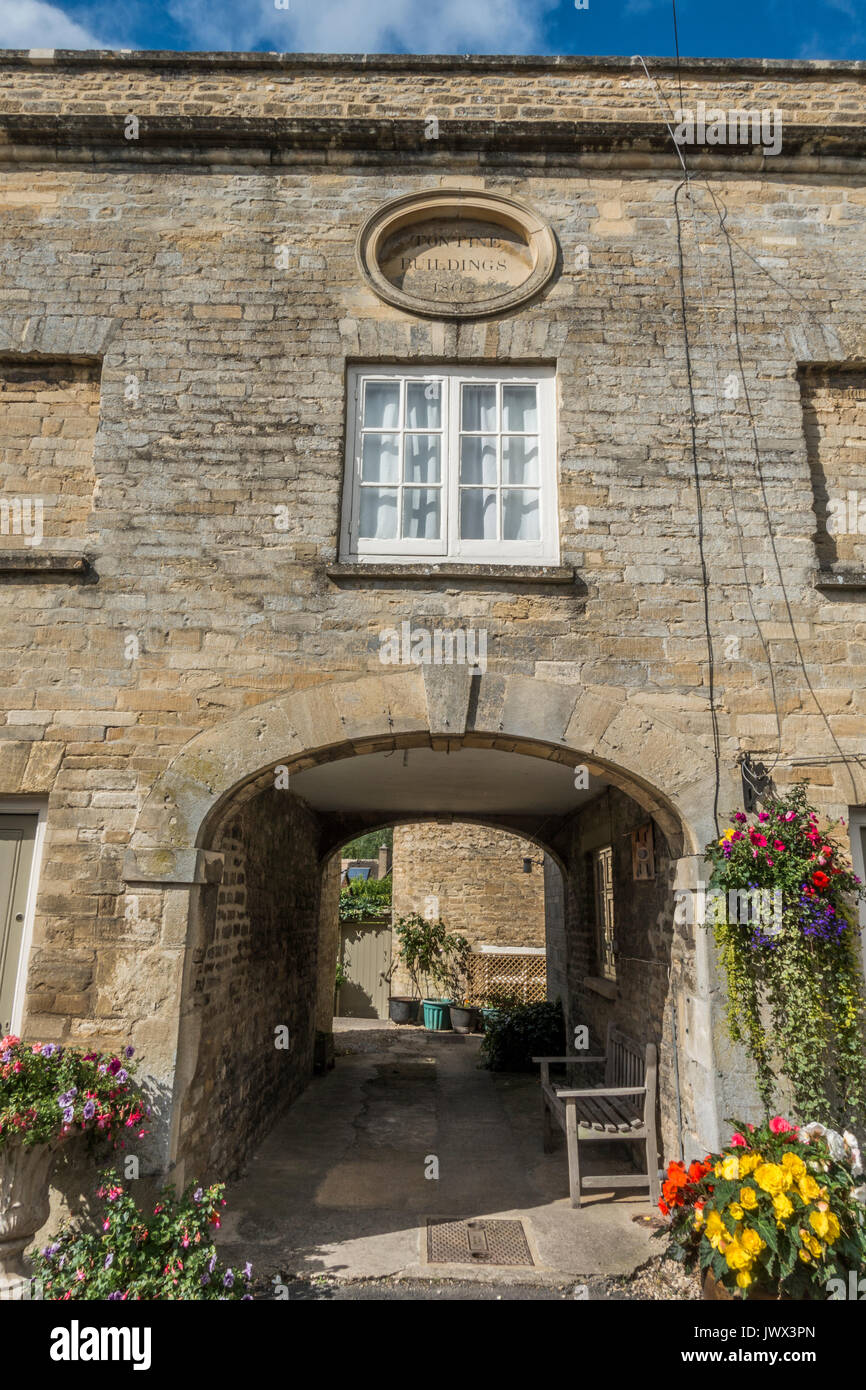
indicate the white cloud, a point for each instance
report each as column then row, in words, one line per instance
column 367, row 26
column 35, row 24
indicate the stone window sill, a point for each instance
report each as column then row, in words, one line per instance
column 831, row 581
column 39, row 562
column 607, row 988
column 423, row 573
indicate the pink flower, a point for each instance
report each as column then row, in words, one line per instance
column 789, row 815
column 780, row 1126
column 763, row 815
column 738, row 1140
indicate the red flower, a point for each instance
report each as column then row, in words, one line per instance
column 820, row 879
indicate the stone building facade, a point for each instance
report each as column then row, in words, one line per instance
column 196, row 708
column 473, row 878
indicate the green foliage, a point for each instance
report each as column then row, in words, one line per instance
column 525, row 1031
column 341, row 976
column 776, row 1212
column 795, row 985
column 49, row 1092
column 434, row 957
column 367, row 846
column 364, row 899
column 165, row 1254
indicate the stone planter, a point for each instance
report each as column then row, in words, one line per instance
column 24, row 1203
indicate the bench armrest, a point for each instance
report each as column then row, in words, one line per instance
column 569, row 1059
column 605, row 1091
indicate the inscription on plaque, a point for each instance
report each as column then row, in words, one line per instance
column 455, row 253
column 463, row 261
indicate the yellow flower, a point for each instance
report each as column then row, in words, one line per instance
column 805, row 1256
column 795, row 1165
column 820, row 1222
column 744, row 1279
column 698, row 1220
column 748, row 1164
column 808, row 1188
column 748, row 1198
column 736, row 1211
column 737, row 1257
column 814, row 1245
column 770, row 1177
column 727, row 835
column 715, row 1229
column 834, row 1229
column 730, row 1167
column 782, row 1205
column 751, row 1242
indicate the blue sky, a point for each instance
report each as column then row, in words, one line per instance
column 724, row 28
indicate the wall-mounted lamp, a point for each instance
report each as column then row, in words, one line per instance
column 528, row 863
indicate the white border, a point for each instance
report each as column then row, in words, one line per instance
column 26, row 806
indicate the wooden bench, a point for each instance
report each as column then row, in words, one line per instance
column 622, row 1107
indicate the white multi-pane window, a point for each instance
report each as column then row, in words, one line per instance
column 456, row 463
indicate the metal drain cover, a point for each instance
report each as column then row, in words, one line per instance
column 476, row 1242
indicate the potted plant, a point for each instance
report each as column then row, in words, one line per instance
column 49, row 1094
column 433, row 957
column 404, row 1008
column 497, row 1003
column 776, row 1214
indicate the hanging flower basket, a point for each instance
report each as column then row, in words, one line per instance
column 783, row 908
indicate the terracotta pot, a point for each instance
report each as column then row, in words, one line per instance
column 716, row 1292
column 24, row 1203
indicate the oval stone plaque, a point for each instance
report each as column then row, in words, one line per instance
column 455, row 254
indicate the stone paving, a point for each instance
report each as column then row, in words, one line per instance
column 338, row 1189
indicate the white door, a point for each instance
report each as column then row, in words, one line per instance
column 17, row 839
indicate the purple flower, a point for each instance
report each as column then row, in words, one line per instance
column 228, row 1279
column 68, row 1115
column 7, row 1056
column 128, row 1052
column 122, row 1075
column 113, row 1297
column 212, row 1263
column 205, row 1279
column 89, row 1110
column 67, row 1099
column 197, row 1195
column 109, row 1261
column 248, row 1269
column 49, row 1050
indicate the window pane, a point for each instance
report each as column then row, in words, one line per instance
column 424, row 405
column 378, row 519
column 520, row 460
column 479, row 408
column 521, row 517
column 421, row 513
column 382, row 405
column 380, row 458
column 421, row 463
column 477, row 514
column 478, row 459
column 519, row 409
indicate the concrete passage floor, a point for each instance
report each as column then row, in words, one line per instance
column 340, row 1185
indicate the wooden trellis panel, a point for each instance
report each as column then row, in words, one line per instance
column 507, row 972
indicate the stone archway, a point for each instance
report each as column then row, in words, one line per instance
column 667, row 770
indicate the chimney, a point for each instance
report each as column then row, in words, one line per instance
column 384, row 860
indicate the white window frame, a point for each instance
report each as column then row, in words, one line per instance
column 27, row 806
column 449, row 547
column 857, row 835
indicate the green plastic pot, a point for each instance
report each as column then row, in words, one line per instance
column 437, row 1016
